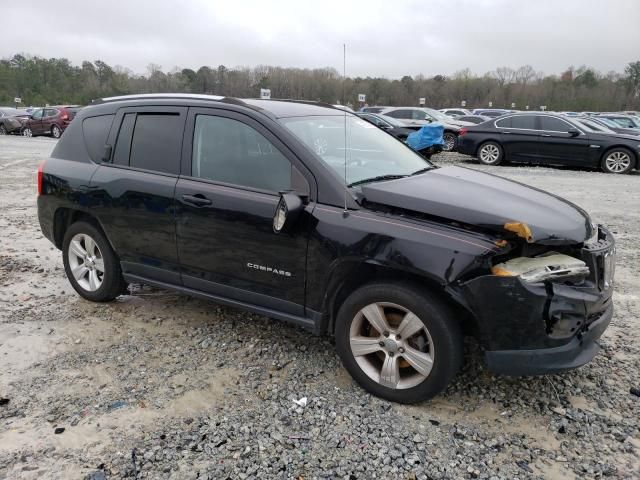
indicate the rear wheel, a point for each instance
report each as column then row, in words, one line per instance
column 450, row 141
column 56, row 132
column 398, row 342
column 618, row 160
column 490, row 153
column 27, row 132
column 90, row 264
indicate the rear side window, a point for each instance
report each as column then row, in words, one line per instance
column 229, row 151
column 157, row 141
column 95, row 131
column 123, row 144
column 50, row 112
column 527, row 122
column 150, row 141
column 400, row 114
column 504, row 122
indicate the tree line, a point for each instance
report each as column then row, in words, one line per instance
column 54, row 81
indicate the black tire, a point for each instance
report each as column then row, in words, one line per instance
column 27, row 132
column 3, row 130
column 112, row 284
column 450, row 142
column 56, row 131
column 490, row 157
column 609, row 165
column 435, row 315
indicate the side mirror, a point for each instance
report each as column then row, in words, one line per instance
column 573, row 132
column 287, row 211
column 384, row 126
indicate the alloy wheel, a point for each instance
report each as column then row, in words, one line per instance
column 391, row 345
column 449, row 142
column 3, row 130
column 56, row 132
column 489, row 153
column 27, row 132
column 86, row 262
column 618, row 162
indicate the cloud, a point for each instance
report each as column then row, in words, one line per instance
column 383, row 38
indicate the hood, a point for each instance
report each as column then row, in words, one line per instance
column 486, row 201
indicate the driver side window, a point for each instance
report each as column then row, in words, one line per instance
column 228, row 151
column 38, row 114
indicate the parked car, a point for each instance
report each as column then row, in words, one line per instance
column 50, row 121
column 625, row 121
column 491, row 112
column 548, row 139
column 12, row 120
column 250, row 203
column 417, row 117
column 609, row 125
column 455, row 112
column 475, row 119
column 389, row 124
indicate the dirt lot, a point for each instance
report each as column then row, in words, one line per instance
column 160, row 385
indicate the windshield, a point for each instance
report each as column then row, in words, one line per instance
column 370, row 153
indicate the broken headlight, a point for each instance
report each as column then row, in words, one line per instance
column 553, row 266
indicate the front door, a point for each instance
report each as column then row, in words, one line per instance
column 558, row 146
column 35, row 123
column 233, row 169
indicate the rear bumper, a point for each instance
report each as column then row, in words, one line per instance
column 579, row 351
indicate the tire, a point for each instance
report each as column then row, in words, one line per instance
column 27, row 132
column 438, row 337
column 490, row 153
column 450, row 141
column 107, row 284
column 3, row 130
column 56, row 132
column 618, row 160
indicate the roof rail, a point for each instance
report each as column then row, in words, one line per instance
column 293, row 100
column 142, row 96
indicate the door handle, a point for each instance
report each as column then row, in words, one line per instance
column 198, row 200
column 545, row 135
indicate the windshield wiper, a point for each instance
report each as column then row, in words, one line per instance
column 422, row 170
column 379, row 178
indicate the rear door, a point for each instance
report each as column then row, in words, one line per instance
column 233, row 169
column 133, row 192
column 558, row 146
column 49, row 119
column 519, row 136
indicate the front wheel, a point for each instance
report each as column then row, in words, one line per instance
column 490, row 153
column 27, row 132
column 450, row 141
column 56, row 132
column 90, row 264
column 3, row 130
column 618, row 160
column 398, row 342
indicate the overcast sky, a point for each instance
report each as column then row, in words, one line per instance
column 384, row 38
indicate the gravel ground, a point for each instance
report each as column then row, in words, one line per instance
column 160, row 385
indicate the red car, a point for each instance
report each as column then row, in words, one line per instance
column 49, row 121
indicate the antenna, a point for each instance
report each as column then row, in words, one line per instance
column 344, row 105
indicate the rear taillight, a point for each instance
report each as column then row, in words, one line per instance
column 64, row 116
column 40, row 170
column 463, row 131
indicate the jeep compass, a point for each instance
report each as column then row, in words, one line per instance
column 311, row 215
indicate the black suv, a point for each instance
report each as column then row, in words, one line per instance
column 272, row 207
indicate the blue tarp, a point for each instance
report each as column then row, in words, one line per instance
column 428, row 135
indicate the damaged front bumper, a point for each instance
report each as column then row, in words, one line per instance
column 545, row 327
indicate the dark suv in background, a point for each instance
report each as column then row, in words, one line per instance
column 272, row 206
column 49, row 121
